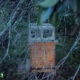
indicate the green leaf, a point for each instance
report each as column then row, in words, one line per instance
column 45, row 16
column 48, row 3
column 1, row 75
column 39, row 15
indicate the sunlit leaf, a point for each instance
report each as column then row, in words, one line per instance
column 48, row 3
column 1, row 75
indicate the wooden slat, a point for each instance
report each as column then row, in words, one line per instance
column 43, row 55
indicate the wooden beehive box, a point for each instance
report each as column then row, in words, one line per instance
column 42, row 47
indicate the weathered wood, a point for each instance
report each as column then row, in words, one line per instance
column 24, row 67
column 43, row 57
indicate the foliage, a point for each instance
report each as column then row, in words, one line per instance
column 48, row 3
column 37, row 11
column 46, row 14
column 67, row 20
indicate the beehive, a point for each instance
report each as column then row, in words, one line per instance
column 42, row 47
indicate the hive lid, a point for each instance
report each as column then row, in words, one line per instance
column 45, row 25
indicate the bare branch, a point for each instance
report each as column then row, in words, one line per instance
column 13, row 17
column 7, row 51
column 76, row 73
column 62, row 61
column 12, row 20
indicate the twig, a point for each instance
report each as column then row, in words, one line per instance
column 62, row 61
column 7, row 51
column 76, row 73
column 10, row 23
column 12, row 17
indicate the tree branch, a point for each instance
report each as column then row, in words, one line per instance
column 76, row 73
column 12, row 20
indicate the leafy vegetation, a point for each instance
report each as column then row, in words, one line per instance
column 15, row 16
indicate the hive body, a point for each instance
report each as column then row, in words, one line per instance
column 42, row 48
column 43, row 57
